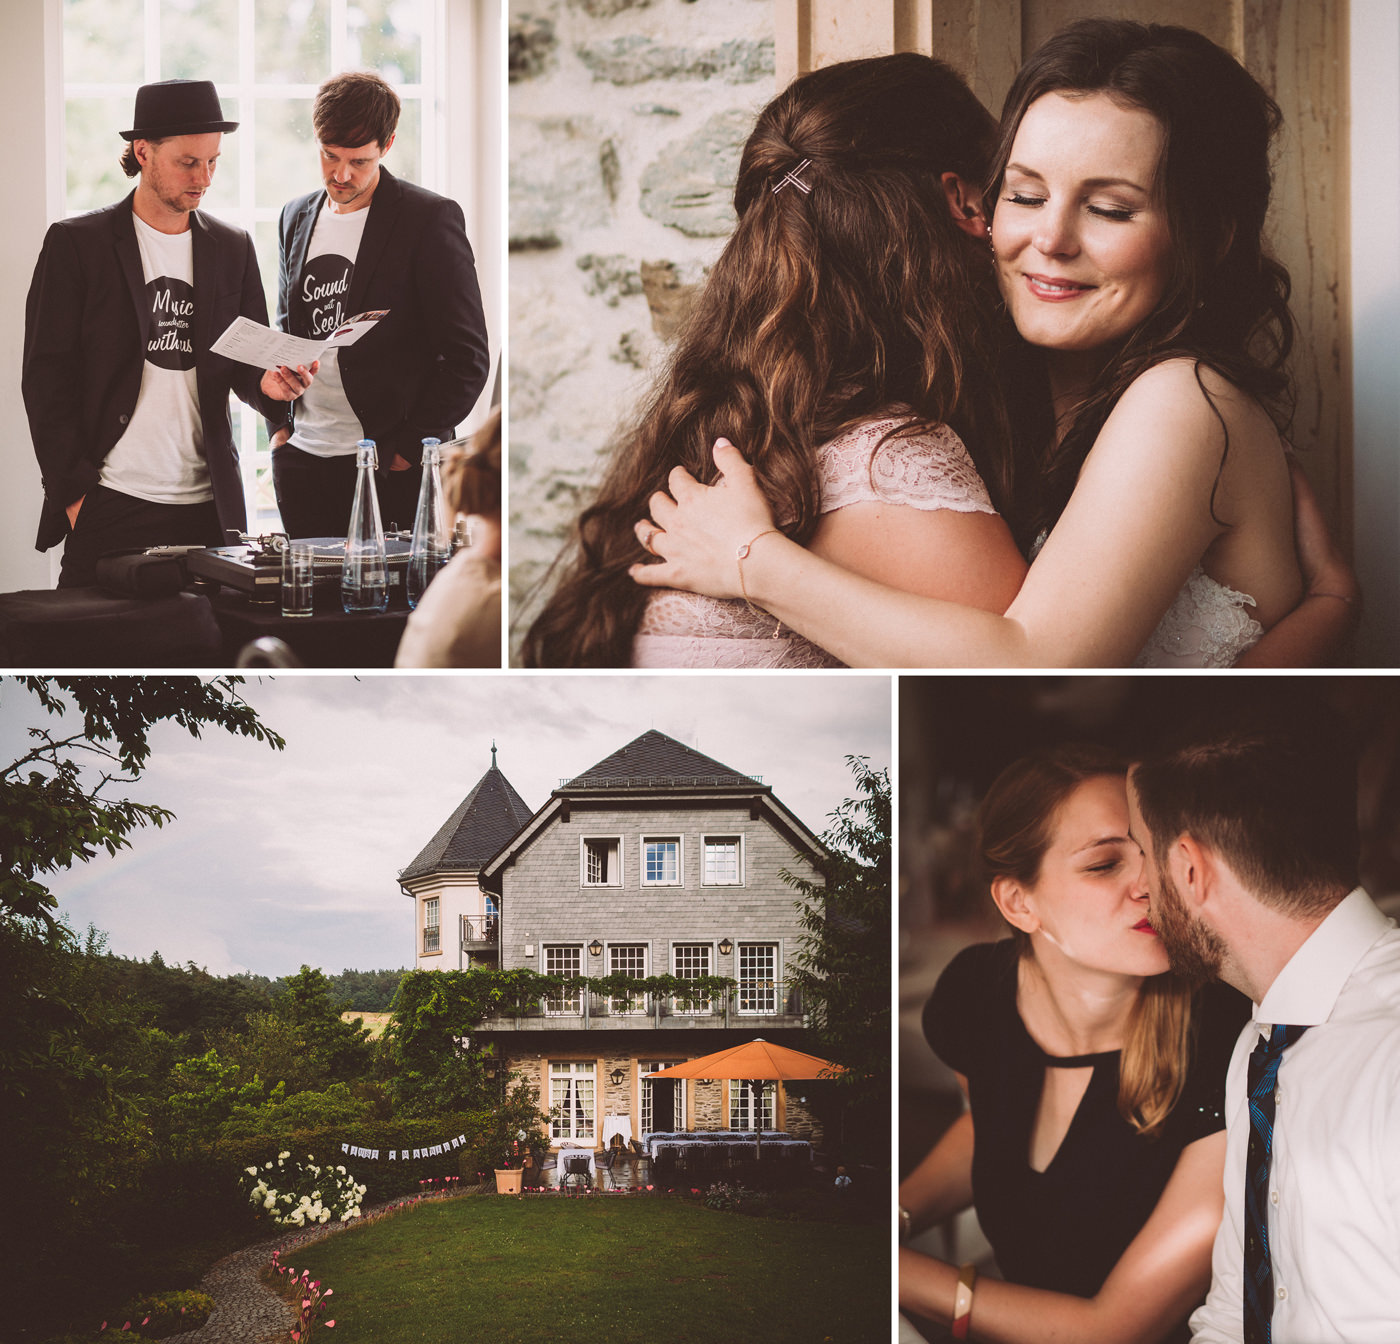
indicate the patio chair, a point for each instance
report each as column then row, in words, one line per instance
column 606, row 1179
column 576, row 1174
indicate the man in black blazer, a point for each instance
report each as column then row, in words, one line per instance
column 128, row 409
column 369, row 241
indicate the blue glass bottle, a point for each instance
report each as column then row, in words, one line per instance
column 431, row 547
column 364, row 577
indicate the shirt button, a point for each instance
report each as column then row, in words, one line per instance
column 1282, row 1294
column 1278, row 1094
column 1273, row 1196
column 123, row 419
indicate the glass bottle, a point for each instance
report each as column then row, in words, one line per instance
column 431, row 546
column 364, row 578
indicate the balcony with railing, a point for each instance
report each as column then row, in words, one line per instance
column 577, row 1008
column 481, row 933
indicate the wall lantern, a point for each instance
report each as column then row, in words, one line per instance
column 725, row 947
column 617, row 1075
column 490, row 1065
column 595, row 948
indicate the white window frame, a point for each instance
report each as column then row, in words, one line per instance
column 655, row 1066
column 741, row 1106
column 628, row 1006
column 703, row 1007
column 565, row 1005
column 722, row 838
column 665, row 838
column 772, row 987
column 432, row 924
column 572, row 1072
column 616, row 842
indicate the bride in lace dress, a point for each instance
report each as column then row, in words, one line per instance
column 847, row 334
column 1132, row 185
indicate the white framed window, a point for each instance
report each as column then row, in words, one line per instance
column 432, row 930
column 758, row 978
column 628, row 959
column 563, row 960
column 601, row 862
column 741, row 1105
column 663, row 1099
column 572, row 1091
column 722, row 864
column 661, row 861
column 689, row 961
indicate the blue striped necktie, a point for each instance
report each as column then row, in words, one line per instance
column 1258, row 1269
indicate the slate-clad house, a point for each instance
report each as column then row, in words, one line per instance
column 656, row 861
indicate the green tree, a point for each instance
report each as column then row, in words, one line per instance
column 337, row 1051
column 842, row 965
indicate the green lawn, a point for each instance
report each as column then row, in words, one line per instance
column 626, row 1270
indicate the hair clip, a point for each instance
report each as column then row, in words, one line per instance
column 794, row 179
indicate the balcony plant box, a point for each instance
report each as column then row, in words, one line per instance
column 508, row 1181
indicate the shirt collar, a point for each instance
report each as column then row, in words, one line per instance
column 1305, row 991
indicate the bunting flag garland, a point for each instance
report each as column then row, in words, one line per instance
column 405, row 1154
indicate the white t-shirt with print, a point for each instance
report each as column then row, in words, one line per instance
column 326, row 425
column 160, row 455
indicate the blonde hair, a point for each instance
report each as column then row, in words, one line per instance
column 1016, row 824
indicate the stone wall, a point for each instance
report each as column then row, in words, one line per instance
column 626, row 122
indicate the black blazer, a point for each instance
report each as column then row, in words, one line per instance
column 84, row 350
column 419, row 372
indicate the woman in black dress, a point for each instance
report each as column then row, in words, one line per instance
column 1093, row 1146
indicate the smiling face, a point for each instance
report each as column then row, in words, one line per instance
column 1082, row 243
column 1088, row 899
column 351, row 174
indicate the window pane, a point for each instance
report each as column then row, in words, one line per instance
column 758, row 985
column 289, row 164
column 94, row 150
column 722, row 861
column 628, row 959
column 102, row 43
column 406, row 158
column 687, row 962
column 663, row 860
column 291, row 42
column 387, row 36
column 199, row 40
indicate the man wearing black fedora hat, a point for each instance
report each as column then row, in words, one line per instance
column 368, row 240
column 128, row 409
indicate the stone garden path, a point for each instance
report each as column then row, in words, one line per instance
column 246, row 1310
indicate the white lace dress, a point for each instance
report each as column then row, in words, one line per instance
column 927, row 471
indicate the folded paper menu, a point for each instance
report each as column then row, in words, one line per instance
column 250, row 342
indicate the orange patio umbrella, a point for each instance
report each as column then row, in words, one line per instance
column 754, row 1062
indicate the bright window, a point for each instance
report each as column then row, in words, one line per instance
column 628, row 959
column 601, row 867
column 689, row 961
column 571, row 1094
column 431, row 927
column 563, row 961
column 741, row 1107
column 758, row 978
column 661, row 861
column 723, row 863
column 663, row 1101
column 267, row 58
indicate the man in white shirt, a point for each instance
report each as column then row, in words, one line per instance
column 128, row 409
column 1252, row 845
column 369, row 241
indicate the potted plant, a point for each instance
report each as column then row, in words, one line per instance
column 508, row 1179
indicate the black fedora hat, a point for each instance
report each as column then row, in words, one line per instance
column 177, row 107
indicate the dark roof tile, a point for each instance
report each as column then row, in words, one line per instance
column 490, row 815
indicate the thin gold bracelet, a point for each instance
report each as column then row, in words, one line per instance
column 740, row 556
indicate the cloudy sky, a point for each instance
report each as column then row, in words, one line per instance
column 280, row 858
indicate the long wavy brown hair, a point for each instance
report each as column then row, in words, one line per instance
column 1226, row 300
column 1016, row 825
column 824, row 309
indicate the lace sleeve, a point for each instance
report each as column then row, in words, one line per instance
column 926, row 471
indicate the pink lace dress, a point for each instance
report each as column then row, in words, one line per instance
column 927, row 471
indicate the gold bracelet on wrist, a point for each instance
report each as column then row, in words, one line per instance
column 740, row 556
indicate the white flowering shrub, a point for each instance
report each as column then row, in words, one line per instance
column 303, row 1194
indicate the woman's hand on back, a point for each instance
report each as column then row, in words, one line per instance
column 698, row 530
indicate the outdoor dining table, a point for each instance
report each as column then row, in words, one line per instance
column 733, row 1141
column 619, row 1125
column 568, row 1151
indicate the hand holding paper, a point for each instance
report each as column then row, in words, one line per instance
column 251, row 342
